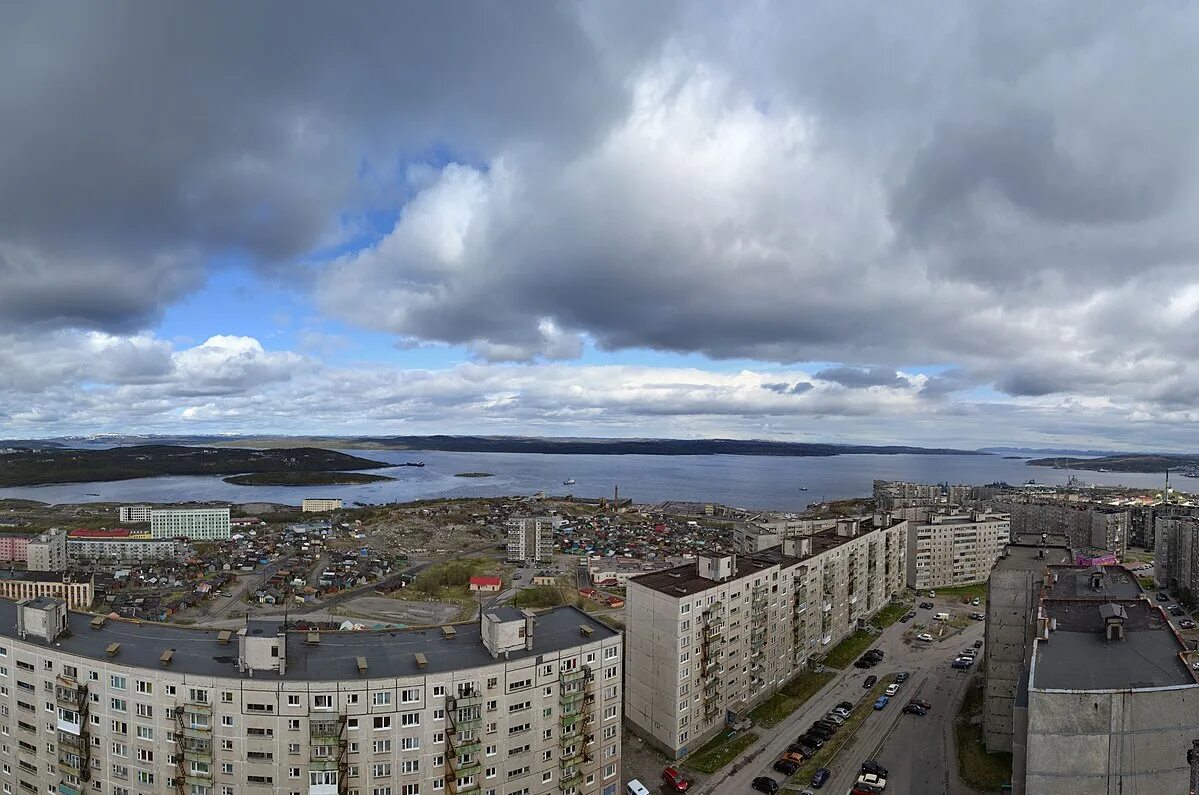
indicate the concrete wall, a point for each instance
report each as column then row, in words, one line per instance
column 1011, row 596
column 1114, row 743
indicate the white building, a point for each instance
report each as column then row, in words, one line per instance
column 114, row 548
column 707, row 641
column 955, row 548
column 317, row 505
column 47, row 552
column 195, row 524
column 530, row 539
column 518, row 703
column 133, row 514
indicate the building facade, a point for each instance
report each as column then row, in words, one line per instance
column 314, row 505
column 121, row 546
column 1084, row 524
column 195, row 524
column 530, row 539
column 134, row 514
column 1176, row 553
column 955, row 548
column 514, row 704
column 76, row 590
column 707, row 641
column 48, row 551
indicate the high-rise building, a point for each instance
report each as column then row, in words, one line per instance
column 530, row 539
column 133, row 514
column 1101, row 527
column 1176, row 552
column 48, row 551
column 514, row 703
column 709, row 640
column 194, row 524
column 953, row 549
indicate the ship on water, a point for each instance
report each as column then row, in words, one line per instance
column 568, row 482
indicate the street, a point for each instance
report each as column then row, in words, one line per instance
column 917, row 750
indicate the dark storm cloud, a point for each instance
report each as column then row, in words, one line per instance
column 789, row 389
column 862, row 377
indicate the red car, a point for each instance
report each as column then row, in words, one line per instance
column 674, row 779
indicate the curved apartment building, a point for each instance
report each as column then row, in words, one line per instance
column 515, row 704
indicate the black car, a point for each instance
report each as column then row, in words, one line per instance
column 870, row 682
column 926, row 605
column 828, row 725
column 1176, row 611
column 802, row 748
column 821, row 732
column 786, row 766
column 875, row 654
column 819, row 777
column 812, row 741
column 766, row 784
column 871, row 766
column 863, row 662
column 1161, row 597
column 915, row 709
column 978, row 644
column 846, row 705
column 902, row 676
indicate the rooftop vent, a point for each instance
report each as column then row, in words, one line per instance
column 98, row 622
column 112, row 649
column 585, row 630
column 165, row 659
column 361, row 665
column 448, row 632
column 421, row 662
column 224, row 637
column 1113, row 616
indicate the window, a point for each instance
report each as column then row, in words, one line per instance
column 381, row 722
column 410, row 766
column 381, row 770
column 381, row 746
column 293, row 700
column 322, row 701
column 410, row 695
column 145, row 687
column 351, row 699
column 410, row 719
column 117, row 682
column 226, row 720
column 381, row 699
column 409, row 743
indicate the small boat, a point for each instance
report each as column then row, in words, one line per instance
column 92, row 494
column 568, row 482
column 415, row 464
column 802, row 488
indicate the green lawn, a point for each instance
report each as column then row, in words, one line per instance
column 978, row 768
column 889, row 615
column 790, row 697
column 966, row 591
column 720, row 752
column 848, row 650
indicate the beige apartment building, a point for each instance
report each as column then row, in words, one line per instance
column 48, row 551
column 530, row 539
column 75, row 588
column 708, row 640
column 518, row 703
column 319, row 505
column 955, row 548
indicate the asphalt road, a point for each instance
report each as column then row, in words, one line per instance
column 917, row 750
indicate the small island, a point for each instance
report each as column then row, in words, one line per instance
column 304, row 479
column 474, row 475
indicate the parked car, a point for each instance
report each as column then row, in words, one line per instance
column 924, row 636
column 979, row 616
column 786, row 766
column 869, row 681
column 765, row 784
column 792, row 756
column 978, row 644
column 976, row 601
column 1175, row 610
column 674, row 780
column 820, row 777
column 865, row 662
column 891, row 690
column 1186, row 623
column 803, row 749
column 1162, row 597
column 962, row 662
column 876, row 653
column 812, row 741
column 902, row 676
column 872, row 782
column 847, row 706
column 914, row 709
column 932, row 594
column 835, row 718
column 920, row 702
column 823, row 732
column 844, row 713
column 926, row 605
column 881, row 702
column 872, row 766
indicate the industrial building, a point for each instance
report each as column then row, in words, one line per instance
column 514, row 703
column 77, row 590
column 531, row 539
column 194, row 524
column 706, row 641
column 952, row 549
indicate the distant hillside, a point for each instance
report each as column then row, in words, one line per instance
column 524, row 444
column 1135, row 462
column 123, row 463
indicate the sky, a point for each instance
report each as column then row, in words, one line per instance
column 922, row 223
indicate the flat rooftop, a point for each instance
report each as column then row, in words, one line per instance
column 39, row 576
column 685, row 580
column 1078, row 656
column 388, row 653
column 1075, row 582
column 1028, row 557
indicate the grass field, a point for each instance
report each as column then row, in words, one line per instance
column 720, row 752
column 848, row 650
column 790, row 697
column 889, row 615
column 966, row 592
column 978, row 768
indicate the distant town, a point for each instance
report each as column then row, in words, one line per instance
column 680, row 646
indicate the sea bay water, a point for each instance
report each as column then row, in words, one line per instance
column 765, row 482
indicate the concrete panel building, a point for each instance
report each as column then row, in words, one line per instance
column 315, row 505
column 517, row 703
column 74, row 589
column 708, row 640
column 1013, row 592
column 194, row 524
column 1176, row 552
column 530, row 539
column 14, row 547
column 48, row 551
column 751, row 537
column 1112, row 700
column 1085, row 524
column 134, row 514
column 953, row 549
column 121, row 546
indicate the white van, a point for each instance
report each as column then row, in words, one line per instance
column 635, row 787
column 942, row 616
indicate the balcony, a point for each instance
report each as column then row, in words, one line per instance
column 574, row 781
column 196, row 708
column 472, row 698
column 570, row 761
column 74, row 764
column 572, row 697
column 472, row 722
column 801, row 608
column 70, row 695
column 853, row 598
column 463, row 747
column 570, row 720
column 572, row 676
column 326, row 732
column 66, row 789
column 464, row 769
column 827, row 607
column 826, row 640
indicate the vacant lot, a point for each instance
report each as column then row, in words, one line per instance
column 395, row 611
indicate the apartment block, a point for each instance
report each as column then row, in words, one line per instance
column 315, row 505
column 194, row 524
column 77, row 590
column 133, row 514
column 1176, row 552
column 530, row 539
column 751, row 537
column 121, row 546
column 955, row 548
column 707, row 641
column 1085, row 524
column 517, row 703
column 48, row 551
